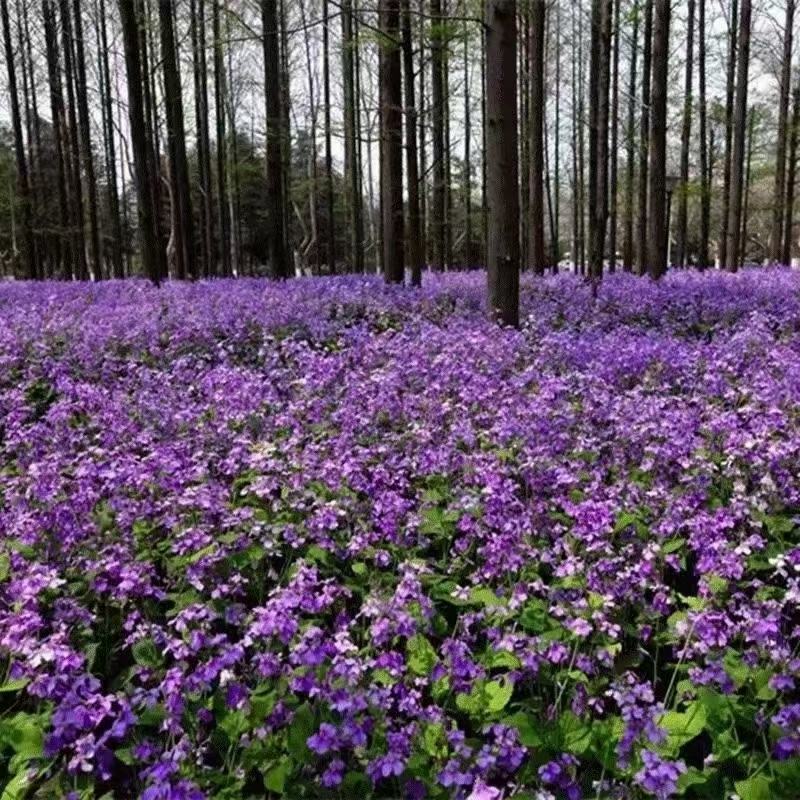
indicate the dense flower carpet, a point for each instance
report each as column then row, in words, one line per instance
column 329, row 539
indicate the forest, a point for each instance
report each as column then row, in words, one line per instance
column 399, row 400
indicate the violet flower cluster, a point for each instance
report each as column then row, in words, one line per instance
column 329, row 538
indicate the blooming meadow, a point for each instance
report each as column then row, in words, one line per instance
column 331, row 539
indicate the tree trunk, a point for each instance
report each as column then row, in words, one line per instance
column 222, row 143
column 791, row 174
column 391, row 103
column 614, row 161
column 86, row 142
column 200, row 69
column 598, row 140
column 686, row 132
column 776, row 235
column 556, row 243
column 751, row 127
column 23, row 186
column 630, row 169
column 437, row 210
column 502, row 178
column 657, row 221
column 278, row 260
column 415, row 253
column 66, row 261
column 468, row 252
column 705, row 164
column 152, row 256
column 536, row 252
column 726, row 167
column 644, row 140
column 330, row 238
column 179, row 168
column 350, row 145
column 739, row 137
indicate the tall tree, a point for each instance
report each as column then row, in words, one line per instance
column 330, row 234
column 27, row 257
column 644, row 140
column 705, row 161
column 613, row 155
column 152, row 256
column 739, row 137
column 630, row 159
column 179, row 168
column 278, row 256
column 438, row 208
column 351, row 147
column 776, row 235
column 87, row 157
column 220, row 91
column 391, row 103
column 536, row 249
column 791, row 174
column 415, row 253
column 502, row 166
column 598, row 130
column 197, row 9
column 686, row 132
column 657, row 212
column 730, row 88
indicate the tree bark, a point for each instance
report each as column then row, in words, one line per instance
column 613, row 159
column 657, row 222
column 791, row 174
column 536, row 248
column 438, row 205
column 644, row 139
column 415, row 254
column 330, row 238
column 391, row 102
column 726, row 167
column 152, row 256
column 776, row 235
column 630, row 160
column 224, row 242
column 739, row 137
column 502, row 179
column 686, row 133
column 705, row 165
column 278, row 260
column 23, row 186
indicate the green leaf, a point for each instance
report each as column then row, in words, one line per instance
column 23, row 732
column 17, row 787
column 275, row 777
column 359, row 568
column 5, row 566
column 502, row 658
column 14, row 686
column 421, row 654
column 498, row 693
column 759, row 787
column 145, row 653
column 485, row 597
column 301, row 728
column 526, row 725
column 682, row 727
column 672, row 546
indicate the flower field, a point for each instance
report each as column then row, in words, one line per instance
column 329, row 539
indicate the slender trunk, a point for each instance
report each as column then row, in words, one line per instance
column 278, row 261
column 222, row 142
column 686, row 133
column 657, row 229
column 751, row 125
column 556, row 243
column 113, row 193
column 27, row 258
column 644, row 140
column 502, row 160
column 598, row 163
column 614, row 161
column 630, row 160
column 326, row 83
column 705, row 161
column 415, row 254
column 791, row 174
column 350, row 147
column 536, row 251
column 468, row 252
column 776, row 235
column 437, row 211
column 152, row 256
column 423, row 160
column 726, row 166
column 739, row 136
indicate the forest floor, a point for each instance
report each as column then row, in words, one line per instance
column 333, row 539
